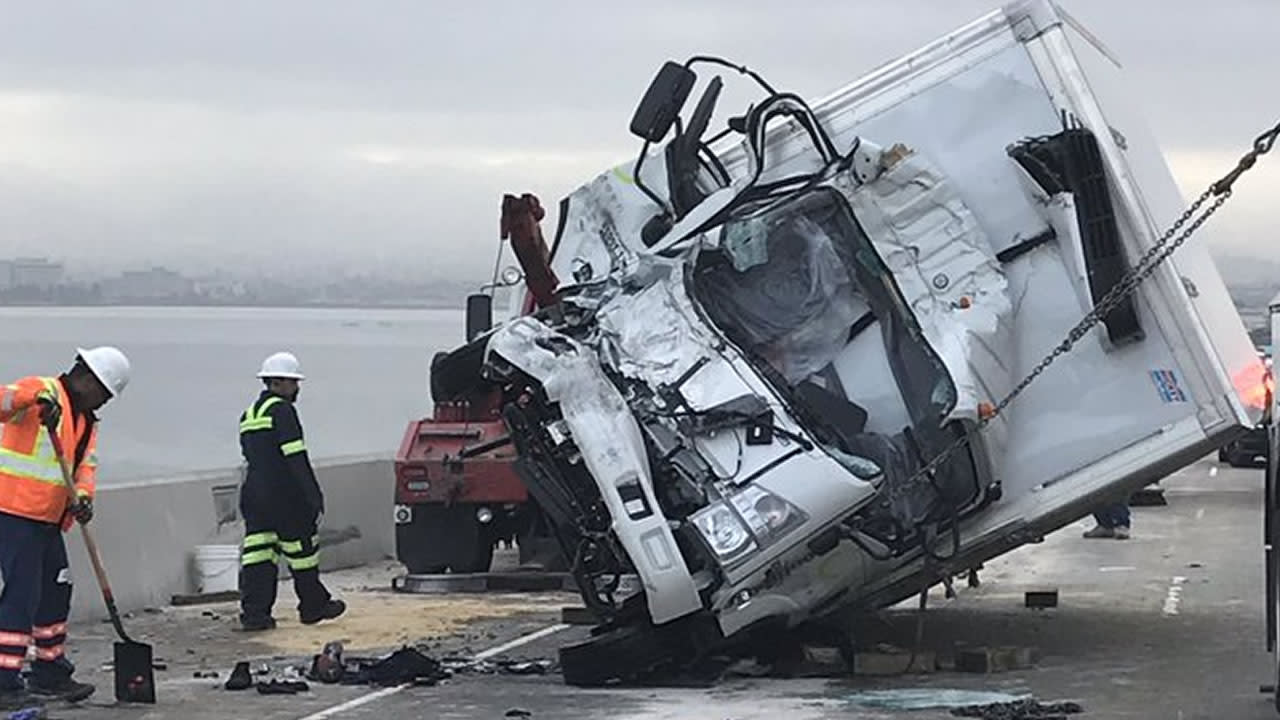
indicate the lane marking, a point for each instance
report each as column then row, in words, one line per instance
column 1213, row 471
column 1174, row 597
column 1200, row 514
column 387, row 692
column 353, row 704
column 1117, row 568
column 522, row 640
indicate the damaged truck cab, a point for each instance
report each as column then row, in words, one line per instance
column 774, row 383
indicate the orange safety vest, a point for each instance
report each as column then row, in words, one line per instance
column 31, row 484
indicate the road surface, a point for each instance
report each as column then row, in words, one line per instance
column 1168, row 624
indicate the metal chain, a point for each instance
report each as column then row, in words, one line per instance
column 1146, row 265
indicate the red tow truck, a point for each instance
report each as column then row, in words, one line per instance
column 457, row 493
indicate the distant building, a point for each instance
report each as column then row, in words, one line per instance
column 219, row 287
column 157, row 283
column 39, row 273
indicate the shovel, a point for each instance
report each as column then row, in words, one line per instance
column 135, row 677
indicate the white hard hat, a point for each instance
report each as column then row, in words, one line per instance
column 109, row 365
column 281, row 365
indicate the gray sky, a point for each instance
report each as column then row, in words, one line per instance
column 382, row 134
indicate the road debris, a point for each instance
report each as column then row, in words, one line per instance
column 327, row 667
column 933, row 698
column 282, row 687
column 35, row 713
column 241, row 678
column 1020, row 710
column 406, row 665
column 518, row 713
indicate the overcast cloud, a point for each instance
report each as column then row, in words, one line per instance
column 382, row 134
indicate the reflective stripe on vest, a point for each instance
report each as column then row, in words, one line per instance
column 256, row 418
column 42, row 463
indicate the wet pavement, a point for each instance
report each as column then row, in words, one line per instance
column 1168, row 624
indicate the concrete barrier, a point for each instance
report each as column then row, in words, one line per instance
column 147, row 531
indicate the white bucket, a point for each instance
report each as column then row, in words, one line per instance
column 217, row 568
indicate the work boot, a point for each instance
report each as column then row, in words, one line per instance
column 1100, row 532
column 331, row 610
column 1121, row 533
column 62, row 688
column 18, row 699
column 257, row 624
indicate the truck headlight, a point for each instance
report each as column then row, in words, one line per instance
column 724, row 531
column 748, row 520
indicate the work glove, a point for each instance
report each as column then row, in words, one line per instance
column 50, row 412
column 82, row 510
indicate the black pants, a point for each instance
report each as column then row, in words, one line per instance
column 35, row 600
column 264, row 542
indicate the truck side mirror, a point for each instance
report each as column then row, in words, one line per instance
column 479, row 315
column 662, row 102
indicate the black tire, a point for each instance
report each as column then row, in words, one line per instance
column 1222, row 454
column 614, row 656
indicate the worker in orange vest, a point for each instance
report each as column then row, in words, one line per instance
column 35, row 510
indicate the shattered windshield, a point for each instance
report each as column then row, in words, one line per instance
column 799, row 286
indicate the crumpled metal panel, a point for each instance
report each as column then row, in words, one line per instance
column 946, row 268
column 608, row 437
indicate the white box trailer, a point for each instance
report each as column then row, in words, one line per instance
column 767, row 343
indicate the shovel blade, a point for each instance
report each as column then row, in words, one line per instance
column 135, row 677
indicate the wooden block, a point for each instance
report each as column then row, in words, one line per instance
column 228, row 596
column 578, row 616
column 985, row 660
column 875, row 663
column 1041, row 599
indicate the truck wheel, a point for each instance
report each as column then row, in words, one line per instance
column 1222, row 454
column 616, row 655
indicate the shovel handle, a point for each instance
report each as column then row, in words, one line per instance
column 90, row 545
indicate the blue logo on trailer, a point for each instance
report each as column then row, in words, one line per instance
column 1167, row 385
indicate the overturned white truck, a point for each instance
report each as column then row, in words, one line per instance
column 771, row 387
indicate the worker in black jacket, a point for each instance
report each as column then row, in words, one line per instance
column 281, row 503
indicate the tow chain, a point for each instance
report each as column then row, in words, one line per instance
column 1220, row 191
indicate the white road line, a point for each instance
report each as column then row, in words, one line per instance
column 523, row 640
column 1174, row 597
column 1213, row 471
column 386, row 692
column 1117, row 568
column 353, row 704
column 1200, row 514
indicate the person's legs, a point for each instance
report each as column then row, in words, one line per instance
column 1103, row 517
column 259, row 575
column 1120, row 519
column 298, row 545
column 1112, row 521
column 21, row 560
column 51, row 672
